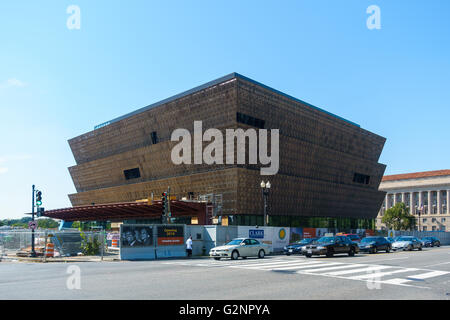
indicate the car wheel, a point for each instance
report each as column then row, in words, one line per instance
column 387, row 250
column 410, row 248
column 308, row 255
column 261, row 254
column 234, row 255
column 351, row 253
column 216, row 258
column 329, row 253
column 288, row 254
column 420, row 248
column 438, row 245
column 244, row 257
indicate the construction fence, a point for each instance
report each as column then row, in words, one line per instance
column 53, row 244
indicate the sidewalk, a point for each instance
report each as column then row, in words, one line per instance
column 108, row 257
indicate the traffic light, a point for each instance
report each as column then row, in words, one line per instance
column 40, row 211
column 38, row 198
column 164, row 203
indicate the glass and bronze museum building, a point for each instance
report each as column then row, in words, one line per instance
column 328, row 174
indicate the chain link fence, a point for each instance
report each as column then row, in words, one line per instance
column 49, row 244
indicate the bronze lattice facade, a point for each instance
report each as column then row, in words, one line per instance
column 328, row 165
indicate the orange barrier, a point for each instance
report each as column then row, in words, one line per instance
column 50, row 250
column 115, row 243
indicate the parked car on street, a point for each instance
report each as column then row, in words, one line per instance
column 430, row 242
column 374, row 244
column 407, row 243
column 332, row 245
column 240, row 247
column 296, row 247
column 353, row 237
column 391, row 240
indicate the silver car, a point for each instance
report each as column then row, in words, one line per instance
column 407, row 243
column 240, row 247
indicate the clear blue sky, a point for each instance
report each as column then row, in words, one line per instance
column 57, row 83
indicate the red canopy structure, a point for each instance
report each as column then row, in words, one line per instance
column 133, row 210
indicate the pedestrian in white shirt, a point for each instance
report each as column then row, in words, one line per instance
column 189, row 246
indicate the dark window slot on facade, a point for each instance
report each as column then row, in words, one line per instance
column 361, row 178
column 154, row 137
column 132, row 173
column 251, row 121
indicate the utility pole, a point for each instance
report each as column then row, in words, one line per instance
column 265, row 187
column 33, row 252
column 169, row 214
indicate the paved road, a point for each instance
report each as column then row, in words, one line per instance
column 402, row 275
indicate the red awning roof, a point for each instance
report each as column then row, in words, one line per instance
column 128, row 210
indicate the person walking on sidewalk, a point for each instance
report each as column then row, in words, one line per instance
column 189, row 246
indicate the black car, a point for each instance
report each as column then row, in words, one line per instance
column 374, row 244
column 332, row 245
column 431, row 242
column 296, row 247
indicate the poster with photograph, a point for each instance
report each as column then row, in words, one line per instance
column 136, row 236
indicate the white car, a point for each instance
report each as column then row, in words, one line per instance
column 240, row 247
column 407, row 243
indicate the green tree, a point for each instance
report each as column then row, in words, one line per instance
column 47, row 223
column 76, row 225
column 398, row 218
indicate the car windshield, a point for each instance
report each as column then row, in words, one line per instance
column 304, row 241
column 352, row 236
column 326, row 239
column 405, row 239
column 368, row 240
column 234, row 242
column 427, row 238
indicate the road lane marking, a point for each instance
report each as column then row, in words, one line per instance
column 301, row 266
column 371, row 268
column 374, row 260
column 272, row 265
column 427, row 275
column 380, row 274
column 268, row 264
column 437, row 264
column 335, row 268
column 396, row 281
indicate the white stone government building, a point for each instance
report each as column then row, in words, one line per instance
column 425, row 193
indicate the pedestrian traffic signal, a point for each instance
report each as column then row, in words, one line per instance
column 38, row 198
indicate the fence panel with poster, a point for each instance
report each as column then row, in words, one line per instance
column 275, row 237
column 170, row 241
column 137, row 242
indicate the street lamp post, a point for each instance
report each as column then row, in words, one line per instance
column 419, row 218
column 265, row 187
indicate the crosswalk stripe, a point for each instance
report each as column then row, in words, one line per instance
column 268, row 264
column 292, row 267
column 381, row 274
column 396, row 281
column 278, row 265
column 428, row 275
column 371, row 268
column 335, row 268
